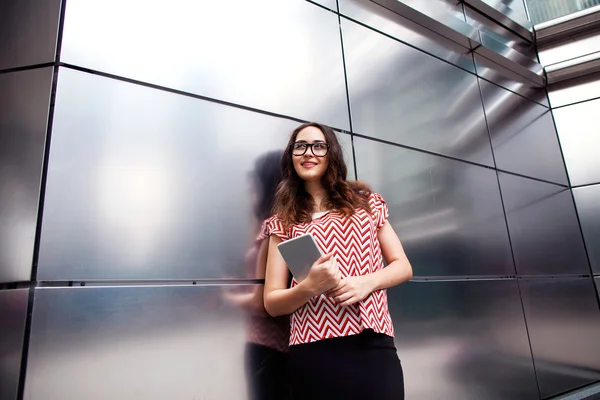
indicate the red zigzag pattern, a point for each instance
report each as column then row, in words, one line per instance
column 354, row 243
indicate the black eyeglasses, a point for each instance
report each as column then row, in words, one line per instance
column 319, row 149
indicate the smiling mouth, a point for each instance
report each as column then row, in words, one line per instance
column 308, row 164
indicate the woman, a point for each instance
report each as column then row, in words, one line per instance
column 341, row 333
column 267, row 337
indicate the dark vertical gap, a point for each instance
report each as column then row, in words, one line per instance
column 347, row 90
column 512, row 253
column 42, row 191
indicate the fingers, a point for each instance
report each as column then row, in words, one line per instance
column 340, row 299
column 324, row 258
column 349, row 302
column 338, row 289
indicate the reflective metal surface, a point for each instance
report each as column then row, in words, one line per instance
column 442, row 17
column 145, row 184
column 28, row 30
column 574, row 68
column 571, row 47
column 448, row 25
column 279, row 56
column 575, row 90
column 577, row 127
column 401, row 95
column 543, row 227
column 407, row 31
column 135, row 342
column 331, row 4
column 587, row 200
column 498, row 32
column 564, row 327
column 568, row 24
column 501, row 76
column 462, row 340
column 13, row 308
column 24, row 103
column 523, row 135
column 447, row 213
column 501, row 11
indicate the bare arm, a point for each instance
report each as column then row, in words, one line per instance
column 281, row 300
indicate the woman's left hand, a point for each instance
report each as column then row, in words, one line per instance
column 351, row 289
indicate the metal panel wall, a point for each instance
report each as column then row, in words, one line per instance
column 543, row 227
column 587, row 200
column 28, row 32
column 463, row 340
column 578, row 127
column 279, row 56
column 523, row 135
column 406, row 31
column 13, row 307
column 401, row 95
column 24, row 103
column 572, row 91
column 447, row 213
column 169, row 342
column 509, row 80
column 145, row 184
column 564, row 327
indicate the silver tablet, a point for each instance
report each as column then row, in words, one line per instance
column 300, row 254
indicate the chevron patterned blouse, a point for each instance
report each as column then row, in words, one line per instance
column 354, row 244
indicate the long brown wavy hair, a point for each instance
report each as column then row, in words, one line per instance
column 294, row 205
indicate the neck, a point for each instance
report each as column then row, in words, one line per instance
column 317, row 192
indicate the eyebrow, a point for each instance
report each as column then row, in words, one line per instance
column 304, row 141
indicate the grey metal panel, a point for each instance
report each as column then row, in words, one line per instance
column 512, row 8
column 579, row 133
column 543, row 227
column 587, row 200
column 407, row 31
column 447, row 213
column 575, row 90
column 28, row 31
column 346, row 142
column 499, row 33
column 13, row 309
column 501, row 12
column 564, row 327
column 436, row 18
column 146, row 184
column 182, row 342
column 331, row 4
column 569, row 48
column 462, row 340
column 404, row 96
column 501, row 76
column 523, row 135
column 279, row 56
column 24, row 103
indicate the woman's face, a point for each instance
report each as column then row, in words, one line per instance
column 308, row 166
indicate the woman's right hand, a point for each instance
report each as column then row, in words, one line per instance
column 323, row 276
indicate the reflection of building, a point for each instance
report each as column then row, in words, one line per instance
column 545, row 10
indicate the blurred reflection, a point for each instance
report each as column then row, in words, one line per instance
column 267, row 337
column 13, row 307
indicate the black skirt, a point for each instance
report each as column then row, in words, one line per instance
column 363, row 366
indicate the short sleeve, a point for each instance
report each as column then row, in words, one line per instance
column 379, row 209
column 274, row 226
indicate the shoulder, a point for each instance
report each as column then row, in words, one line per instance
column 275, row 226
column 375, row 199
